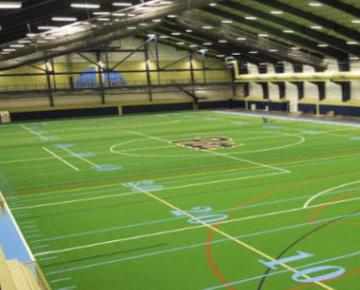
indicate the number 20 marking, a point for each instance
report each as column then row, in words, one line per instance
column 201, row 215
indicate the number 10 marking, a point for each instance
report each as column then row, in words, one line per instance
column 330, row 272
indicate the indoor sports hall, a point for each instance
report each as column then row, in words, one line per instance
column 180, row 145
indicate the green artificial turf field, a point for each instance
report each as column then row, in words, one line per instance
column 182, row 201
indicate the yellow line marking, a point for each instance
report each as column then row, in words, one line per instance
column 214, row 153
column 61, row 159
column 315, row 196
column 132, row 192
column 224, row 234
column 190, row 228
column 78, row 156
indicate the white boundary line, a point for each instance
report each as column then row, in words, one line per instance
column 306, row 204
column 61, row 159
column 126, row 226
column 214, row 153
column 233, row 283
column 24, row 160
column 196, row 245
column 7, row 210
column 230, row 237
column 248, row 161
column 78, row 156
column 304, row 161
column 33, row 132
column 189, row 228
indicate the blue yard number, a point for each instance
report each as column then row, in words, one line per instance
column 202, row 214
column 306, row 276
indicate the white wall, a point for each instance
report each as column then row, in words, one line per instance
column 333, row 90
column 355, row 86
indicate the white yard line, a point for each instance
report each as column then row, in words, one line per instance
column 215, row 153
column 152, row 222
column 228, row 236
column 242, row 281
column 115, row 195
column 78, row 156
column 61, row 159
column 24, row 160
column 189, row 228
column 8, row 211
column 33, row 132
column 248, row 161
column 205, row 225
column 310, row 200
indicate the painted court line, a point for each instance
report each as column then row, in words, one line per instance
column 33, row 132
column 304, row 161
column 47, row 258
column 192, row 246
column 350, row 255
column 215, row 153
column 151, row 222
column 61, row 159
column 133, row 193
column 189, row 228
column 226, row 235
column 327, row 191
column 78, row 156
column 66, row 288
column 24, row 160
column 60, row 280
column 126, row 226
column 248, row 161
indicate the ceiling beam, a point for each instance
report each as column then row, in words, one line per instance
column 196, row 20
column 350, row 9
column 195, row 39
column 332, row 25
column 295, row 39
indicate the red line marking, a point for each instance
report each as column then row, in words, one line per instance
column 219, row 275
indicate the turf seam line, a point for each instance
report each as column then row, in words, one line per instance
column 61, row 159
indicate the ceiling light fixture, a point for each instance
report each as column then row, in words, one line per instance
column 64, row 19
column 84, row 6
column 10, row 5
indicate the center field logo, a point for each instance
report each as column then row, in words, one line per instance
column 207, row 143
